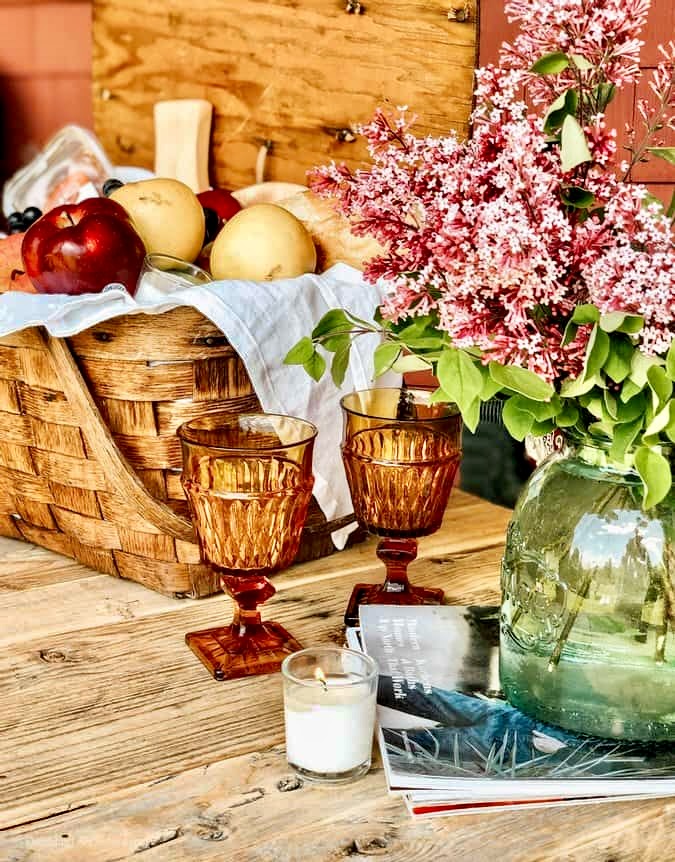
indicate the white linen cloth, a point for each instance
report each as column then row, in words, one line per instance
column 262, row 321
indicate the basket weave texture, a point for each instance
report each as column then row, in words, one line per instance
column 89, row 458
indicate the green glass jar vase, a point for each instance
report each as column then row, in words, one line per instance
column 588, row 600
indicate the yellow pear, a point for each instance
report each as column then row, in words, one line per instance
column 262, row 243
column 166, row 214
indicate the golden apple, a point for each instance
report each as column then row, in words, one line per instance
column 166, row 214
column 262, row 243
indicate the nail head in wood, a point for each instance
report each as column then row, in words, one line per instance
column 460, row 12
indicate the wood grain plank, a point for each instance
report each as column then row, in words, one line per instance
column 79, row 723
column 253, row 808
column 25, row 567
column 79, row 600
column 275, row 70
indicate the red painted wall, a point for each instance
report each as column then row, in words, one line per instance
column 45, row 75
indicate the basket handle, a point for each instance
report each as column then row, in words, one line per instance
column 115, row 466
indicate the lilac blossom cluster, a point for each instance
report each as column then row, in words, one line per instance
column 489, row 234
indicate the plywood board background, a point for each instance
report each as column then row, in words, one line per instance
column 284, row 71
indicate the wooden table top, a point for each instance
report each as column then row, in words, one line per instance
column 116, row 743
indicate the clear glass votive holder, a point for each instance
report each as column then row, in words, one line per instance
column 329, row 709
column 181, row 272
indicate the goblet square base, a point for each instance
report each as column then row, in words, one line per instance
column 228, row 654
column 377, row 594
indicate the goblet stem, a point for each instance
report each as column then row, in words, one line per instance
column 247, row 645
column 397, row 554
column 247, row 593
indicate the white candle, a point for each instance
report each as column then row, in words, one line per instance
column 330, row 719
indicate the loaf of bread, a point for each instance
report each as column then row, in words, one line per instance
column 331, row 232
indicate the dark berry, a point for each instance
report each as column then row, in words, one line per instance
column 110, row 185
column 211, row 224
column 30, row 215
column 15, row 220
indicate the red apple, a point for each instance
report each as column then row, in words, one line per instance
column 224, row 203
column 80, row 248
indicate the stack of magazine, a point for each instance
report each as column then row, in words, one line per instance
column 452, row 745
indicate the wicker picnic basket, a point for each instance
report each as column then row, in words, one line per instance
column 89, row 458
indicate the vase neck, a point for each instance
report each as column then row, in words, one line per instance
column 597, row 453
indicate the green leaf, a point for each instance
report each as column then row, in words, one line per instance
column 539, row 410
column 575, row 196
column 617, row 364
column 384, row 357
column 660, row 383
column 315, row 366
column 567, row 417
column 459, row 377
column 655, row 473
column 585, row 313
column 410, row 362
column 550, row 64
column 661, row 420
column 333, row 343
column 597, row 352
column 490, row 387
column 619, row 321
column 611, row 407
column 522, row 381
column 438, row 396
column 604, row 93
column 300, row 352
column 471, row 415
column 417, row 328
column 538, row 429
column 601, row 429
column 566, row 103
column 623, row 438
column 579, row 386
column 570, row 332
column 518, row 422
column 555, row 114
column 430, row 342
column 333, row 321
column 639, row 366
column 573, row 145
column 670, row 361
column 596, row 407
column 580, row 62
column 665, row 153
column 632, row 324
column 340, row 363
column 632, row 409
column 629, row 390
column 670, row 212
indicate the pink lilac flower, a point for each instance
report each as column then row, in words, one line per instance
column 481, row 233
column 604, row 32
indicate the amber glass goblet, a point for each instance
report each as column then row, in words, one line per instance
column 248, row 481
column 401, row 455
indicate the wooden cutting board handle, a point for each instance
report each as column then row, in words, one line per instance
column 182, row 137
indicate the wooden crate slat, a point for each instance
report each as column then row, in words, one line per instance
column 293, row 75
